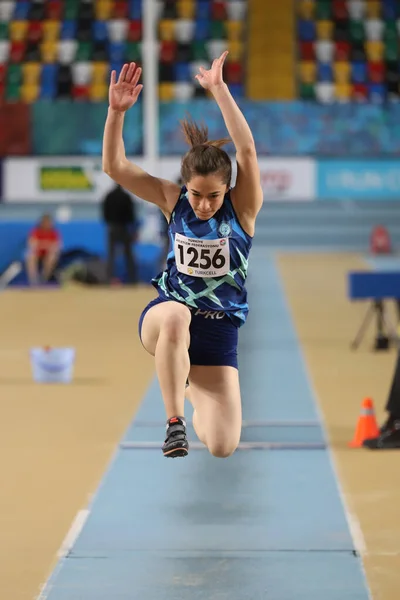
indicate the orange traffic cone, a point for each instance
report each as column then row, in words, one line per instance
column 367, row 426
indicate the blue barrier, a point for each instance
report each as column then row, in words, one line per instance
column 372, row 285
column 89, row 236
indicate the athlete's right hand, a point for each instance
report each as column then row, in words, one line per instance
column 124, row 93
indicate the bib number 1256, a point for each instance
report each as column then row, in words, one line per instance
column 202, row 258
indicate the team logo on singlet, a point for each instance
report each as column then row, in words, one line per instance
column 224, row 230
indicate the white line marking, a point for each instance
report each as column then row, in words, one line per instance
column 73, row 534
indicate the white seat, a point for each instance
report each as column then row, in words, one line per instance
column 325, row 92
column 356, row 9
column 194, row 69
column 66, row 51
column 81, row 72
column 324, row 50
column 6, row 10
column 184, row 29
column 117, row 30
column 183, row 91
column 216, row 47
column 374, row 29
column 236, row 10
column 4, row 50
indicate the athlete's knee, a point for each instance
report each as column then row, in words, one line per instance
column 175, row 325
column 222, row 448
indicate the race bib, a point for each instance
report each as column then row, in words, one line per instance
column 202, row 258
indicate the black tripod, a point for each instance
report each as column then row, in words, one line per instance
column 382, row 340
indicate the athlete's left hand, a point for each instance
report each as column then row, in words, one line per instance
column 212, row 78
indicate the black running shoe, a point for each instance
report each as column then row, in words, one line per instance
column 389, row 439
column 176, row 443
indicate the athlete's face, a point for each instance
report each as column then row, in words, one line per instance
column 206, row 194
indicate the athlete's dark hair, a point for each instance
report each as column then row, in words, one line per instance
column 205, row 156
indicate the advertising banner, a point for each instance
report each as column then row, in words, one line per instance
column 358, row 180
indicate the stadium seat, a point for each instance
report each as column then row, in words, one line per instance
column 390, row 10
column 374, row 50
column 307, row 50
column 356, row 9
column 216, row 47
column 360, row 92
column 184, row 53
column 80, row 92
column 183, row 91
column 68, row 30
column 340, row 10
column 306, row 9
column 31, row 72
column 324, row 72
column 81, row 73
column 343, row 92
column 342, row 72
column 342, row 51
column 29, row 92
column 234, row 30
column 51, row 30
column 218, row 11
column 100, row 72
column 202, row 29
column 49, row 51
column 133, row 52
column 17, row 30
column 307, row 31
column 67, row 51
column 98, row 92
column 377, row 93
column 325, row 92
column 182, row 72
column 54, row 10
column 168, row 51
column 184, row 29
column 21, row 10
column 203, row 10
column 236, row 50
column 4, row 50
column 236, row 10
column 373, row 9
column 135, row 9
column 167, row 29
column 103, row 10
column 307, row 91
column 117, row 30
column 359, row 71
column 35, row 31
column 166, row 91
column 3, row 73
column 323, row 10
column 376, row 71
column 308, row 71
column 6, row 10
column 17, row 51
column 356, row 31
column 120, row 9
column 374, row 29
column 217, row 30
column 234, row 72
column 324, row 30
column 186, row 9
column 324, row 50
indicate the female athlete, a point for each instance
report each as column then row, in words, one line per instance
column 191, row 328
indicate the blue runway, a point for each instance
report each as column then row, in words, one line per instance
column 267, row 523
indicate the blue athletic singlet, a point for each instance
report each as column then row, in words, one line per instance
column 207, row 261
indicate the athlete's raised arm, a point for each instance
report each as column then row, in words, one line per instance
column 247, row 196
column 123, row 94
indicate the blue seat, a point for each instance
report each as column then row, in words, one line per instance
column 306, row 30
column 201, row 30
column 390, row 9
column 99, row 31
column 135, row 9
column 116, row 51
column 21, row 11
column 324, row 72
column 377, row 92
column 68, row 30
column 48, row 90
column 237, row 90
column 182, row 72
column 49, row 74
column 203, row 10
column 116, row 65
column 359, row 71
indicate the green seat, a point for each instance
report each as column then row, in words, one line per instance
column 3, row 30
column 199, row 50
column 307, row 91
column 133, row 52
column 323, row 10
column 14, row 74
column 390, row 31
column 84, row 51
column 71, row 9
column 12, row 91
column 357, row 31
column 218, row 30
column 391, row 52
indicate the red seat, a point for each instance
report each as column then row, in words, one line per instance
column 376, row 71
column 307, row 50
column 168, row 51
column 360, row 92
column 218, row 11
column 234, row 72
column 35, row 31
column 121, row 9
column 342, row 51
column 80, row 92
column 17, row 52
column 3, row 72
column 135, row 31
column 339, row 10
column 54, row 10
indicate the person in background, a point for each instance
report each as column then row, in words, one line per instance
column 44, row 244
column 119, row 216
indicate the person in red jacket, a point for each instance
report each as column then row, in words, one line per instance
column 43, row 251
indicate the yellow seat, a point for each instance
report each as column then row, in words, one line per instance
column 29, row 92
column 373, row 9
column 100, row 72
column 186, row 9
column 306, row 9
column 103, row 9
column 51, row 30
column 342, row 71
column 49, row 50
column 374, row 50
column 166, row 91
column 98, row 92
column 166, row 29
column 18, row 30
column 324, row 30
column 236, row 49
column 308, row 71
column 31, row 72
column 234, row 30
column 343, row 91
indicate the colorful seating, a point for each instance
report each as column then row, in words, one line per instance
column 348, row 50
